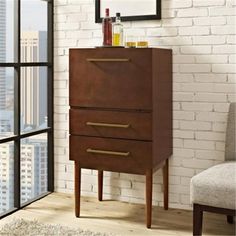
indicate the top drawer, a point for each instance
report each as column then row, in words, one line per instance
column 111, row 78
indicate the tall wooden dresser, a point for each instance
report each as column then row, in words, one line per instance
column 121, row 114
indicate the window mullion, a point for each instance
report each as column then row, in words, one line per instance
column 17, row 105
column 50, row 99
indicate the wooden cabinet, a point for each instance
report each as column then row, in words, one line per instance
column 121, row 114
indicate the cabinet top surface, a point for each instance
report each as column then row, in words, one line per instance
column 120, row 48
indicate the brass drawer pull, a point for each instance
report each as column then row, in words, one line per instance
column 95, row 151
column 125, row 126
column 108, row 59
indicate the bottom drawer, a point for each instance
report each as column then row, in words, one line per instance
column 111, row 154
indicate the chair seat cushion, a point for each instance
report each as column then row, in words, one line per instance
column 215, row 186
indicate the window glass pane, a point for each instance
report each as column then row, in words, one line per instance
column 33, row 98
column 32, row 101
column 7, row 30
column 6, row 102
column 6, row 177
column 33, row 31
column 33, row 166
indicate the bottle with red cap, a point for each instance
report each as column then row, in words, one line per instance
column 107, row 29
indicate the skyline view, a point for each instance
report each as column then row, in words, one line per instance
column 33, row 102
column 35, row 10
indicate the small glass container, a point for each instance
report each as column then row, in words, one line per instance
column 117, row 37
column 142, row 42
column 130, row 42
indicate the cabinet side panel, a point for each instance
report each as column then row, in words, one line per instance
column 72, row 72
column 162, row 105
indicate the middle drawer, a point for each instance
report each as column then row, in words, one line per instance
column 114, row 124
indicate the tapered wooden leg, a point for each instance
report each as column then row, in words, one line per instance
column 197, row 220
column 100, row 184
column 230, row 219
column 149, row 198
column 77, row 189
column 165, row 171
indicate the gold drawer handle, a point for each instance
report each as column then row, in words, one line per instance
column 125, row 126
column 108, row 59
column 95, row 151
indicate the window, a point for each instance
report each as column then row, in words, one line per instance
column 6, row 176
column 26, row 102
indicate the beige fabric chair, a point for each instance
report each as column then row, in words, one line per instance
column 214, row 189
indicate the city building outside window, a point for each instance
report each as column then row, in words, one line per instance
column 26, row 102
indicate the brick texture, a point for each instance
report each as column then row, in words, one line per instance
column 202, row 36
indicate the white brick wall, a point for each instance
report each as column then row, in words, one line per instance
column 202, row 36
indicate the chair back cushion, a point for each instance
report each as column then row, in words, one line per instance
column 230, row 143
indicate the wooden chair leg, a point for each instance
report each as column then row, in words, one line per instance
column 77, row 188
column 165, row 171
column 149, row 198
column 100, row 184
column 230, row 219
column 197, row 220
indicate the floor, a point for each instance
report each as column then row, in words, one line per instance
column 118, row 217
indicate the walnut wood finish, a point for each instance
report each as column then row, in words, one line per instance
column 100, row 184
column 121, row 114
column 149, row 198
column 162, row 105
column 140, row 124
column 77, row 188
column 165, row 171
column 137, row 162
column 123, row 85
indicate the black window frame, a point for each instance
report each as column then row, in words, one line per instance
column 18, row 136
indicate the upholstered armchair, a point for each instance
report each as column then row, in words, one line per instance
column 214, row 190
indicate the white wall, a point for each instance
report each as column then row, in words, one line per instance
column 202, row 36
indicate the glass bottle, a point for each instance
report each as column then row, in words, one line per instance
column 117, row 38
column 107, row 29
